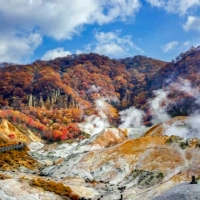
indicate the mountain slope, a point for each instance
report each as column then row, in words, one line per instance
column 186, row 66
column 67, row 81
column 54, row 96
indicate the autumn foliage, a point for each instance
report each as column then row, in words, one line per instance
column 51, row 97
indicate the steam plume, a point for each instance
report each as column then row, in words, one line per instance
column 131, row 117
column 189, row 128
column 96, row 123
column 158, row 106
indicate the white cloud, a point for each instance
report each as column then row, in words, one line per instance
column 169, row 46
column 60, row 19
column 111, row 44
column 106, row 43
column 55, row 53
column 18, row 48
column 109, row 49
column 193, row 23
column 186, row 44
column 175, row 6
column 157, row 3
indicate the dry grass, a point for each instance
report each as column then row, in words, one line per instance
column 4, row 176
column 5, row 144
column 14, row 159
column 56, row 187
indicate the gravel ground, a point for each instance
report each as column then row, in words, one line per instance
column 183, row 191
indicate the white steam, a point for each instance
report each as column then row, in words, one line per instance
column 158, row 106
column 177, row 128
column 188, row 128
column 185, row 86
column 93, row 89
column 131, row 117
column 96, row 123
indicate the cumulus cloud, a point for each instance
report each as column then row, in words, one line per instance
column 193, row 23
column 169, row 46
column 185, row 46
column 17, row 48
column 175, row 6
column 111, row 44
column 55, row 53
column 60, row 19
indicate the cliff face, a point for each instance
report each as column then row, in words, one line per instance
column 10, row 134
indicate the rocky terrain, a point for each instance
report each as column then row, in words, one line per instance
column 182, row 191
column 115, row 164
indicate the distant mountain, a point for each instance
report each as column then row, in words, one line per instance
column 66, row 100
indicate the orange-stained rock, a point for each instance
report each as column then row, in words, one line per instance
column 159, row 129
column 110, row 137
column 58, row 161
column 10, row 134
column 148, row 153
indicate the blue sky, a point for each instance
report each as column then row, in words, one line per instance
column 46, row 29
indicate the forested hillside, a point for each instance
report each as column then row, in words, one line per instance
column 182, row 78
column 51, row 97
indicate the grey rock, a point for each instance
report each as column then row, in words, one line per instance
column 183, row 191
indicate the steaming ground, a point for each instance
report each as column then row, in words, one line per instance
column 188, row 128
column 146, row 161
column 158, row 107
column 147, row 165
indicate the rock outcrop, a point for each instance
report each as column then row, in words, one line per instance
column 10, row 134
